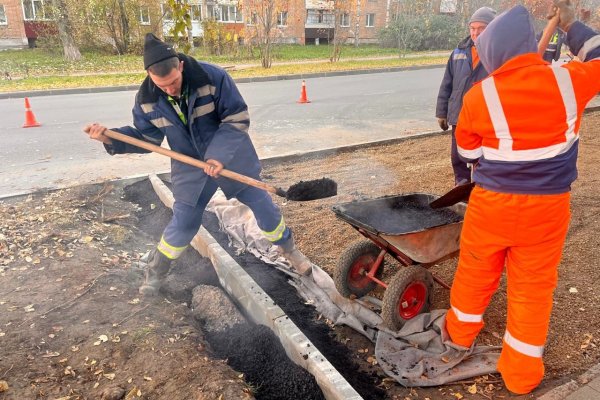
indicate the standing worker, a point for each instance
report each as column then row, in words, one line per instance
column 462, row 71
column 200, row 111
column 552, row 51
column 522, row 124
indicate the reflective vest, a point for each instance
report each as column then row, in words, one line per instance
column 522, row 123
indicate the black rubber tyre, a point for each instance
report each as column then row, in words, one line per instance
column 409, row 293
column 353, row 262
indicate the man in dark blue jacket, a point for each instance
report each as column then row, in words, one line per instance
column 200, row 111
column 462, row 71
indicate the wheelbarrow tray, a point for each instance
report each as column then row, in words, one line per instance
column 407, row 223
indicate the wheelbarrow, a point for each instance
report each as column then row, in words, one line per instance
column 409, row 230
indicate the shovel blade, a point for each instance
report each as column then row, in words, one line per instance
column 456, row 195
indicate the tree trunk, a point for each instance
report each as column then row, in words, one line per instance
column 65, row 31
column 357, row 26
column 126, row 39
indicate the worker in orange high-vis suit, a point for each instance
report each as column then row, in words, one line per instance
column 521, row 125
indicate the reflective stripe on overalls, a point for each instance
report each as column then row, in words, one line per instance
column 171, row 252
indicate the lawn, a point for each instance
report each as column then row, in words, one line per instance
column 39, row 69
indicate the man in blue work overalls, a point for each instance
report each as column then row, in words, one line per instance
column 200, row 111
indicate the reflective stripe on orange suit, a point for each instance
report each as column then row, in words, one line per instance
column 522, row 124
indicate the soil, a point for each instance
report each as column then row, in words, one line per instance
column 423, row 166
column 72, row 325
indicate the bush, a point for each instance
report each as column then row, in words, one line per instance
column 417, row 33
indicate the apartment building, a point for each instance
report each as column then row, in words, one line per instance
column 301, row 22
column 12, row 29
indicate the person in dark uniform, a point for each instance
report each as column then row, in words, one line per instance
column 552, row 52
column 197, row 107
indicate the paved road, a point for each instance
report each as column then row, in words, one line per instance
column 343, row 110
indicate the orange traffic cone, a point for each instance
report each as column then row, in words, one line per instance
column 303, row 98
column 30, row 121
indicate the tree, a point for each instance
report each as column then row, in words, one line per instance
column 65, row 31
column 263, row 21
column 182, row 22
column 407, row 24
column 343, row 10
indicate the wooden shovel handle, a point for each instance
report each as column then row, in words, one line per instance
column 547, row 34
column 188, row 160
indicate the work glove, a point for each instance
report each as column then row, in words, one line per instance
column 443, row 123
column 566, row 13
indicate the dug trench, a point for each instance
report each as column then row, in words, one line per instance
column 254, row 349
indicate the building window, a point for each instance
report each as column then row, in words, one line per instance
column 224, row 13
column 214, row 12
column 345, row 19
column 144, row 16
column 36, row 10
column 3, row 20
column 196, row 12
column 282, row 18
column 370, row 20
column 319, row 17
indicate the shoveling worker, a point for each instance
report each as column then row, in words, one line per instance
column 522, row 124
column 200, row 111
column 462, row 71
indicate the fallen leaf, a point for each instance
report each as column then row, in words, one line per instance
column 472, row 389
column 87, row 239
column 147, row 378
column 96, row 385
column 3, row 386
column 110, row 376
column 103, row 338
column 134, row 301
column 458, row 395
column 573, row 290
column 52, row 354
column 132, row 394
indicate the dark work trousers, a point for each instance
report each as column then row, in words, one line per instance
column 186, row 219
column 462, row 173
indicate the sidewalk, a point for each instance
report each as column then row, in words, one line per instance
column 586, row 387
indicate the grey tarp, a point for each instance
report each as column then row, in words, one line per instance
column 420, row 354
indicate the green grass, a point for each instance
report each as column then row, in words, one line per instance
column 38, row 69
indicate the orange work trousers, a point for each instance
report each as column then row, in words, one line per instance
column 525, row 233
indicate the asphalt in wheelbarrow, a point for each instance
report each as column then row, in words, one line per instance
column 396, row 215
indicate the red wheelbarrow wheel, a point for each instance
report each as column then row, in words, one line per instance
column 352, row 267
column 409, row 293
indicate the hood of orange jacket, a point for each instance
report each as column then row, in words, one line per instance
column 509, row 35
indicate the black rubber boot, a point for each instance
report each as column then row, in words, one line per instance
column 158, row 268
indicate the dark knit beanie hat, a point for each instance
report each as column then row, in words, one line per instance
column 156, row 50
column 484, row 14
